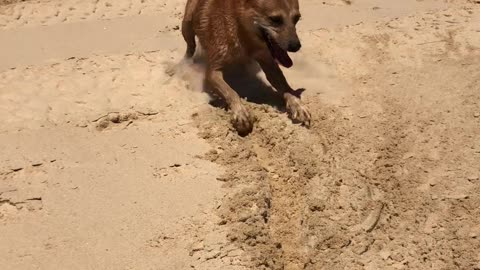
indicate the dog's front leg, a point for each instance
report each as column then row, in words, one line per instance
column 295, row 108
column 242, row 121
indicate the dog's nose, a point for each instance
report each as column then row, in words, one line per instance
column 294, row 46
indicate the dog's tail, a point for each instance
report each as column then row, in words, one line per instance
column 187, row 27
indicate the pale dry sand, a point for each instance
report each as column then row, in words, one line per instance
column 108, row 161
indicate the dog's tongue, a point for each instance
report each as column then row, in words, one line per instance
column 281, row 55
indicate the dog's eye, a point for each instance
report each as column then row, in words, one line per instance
column 276, row 20
column 296, row 18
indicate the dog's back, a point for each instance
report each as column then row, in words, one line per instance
column 215, row 24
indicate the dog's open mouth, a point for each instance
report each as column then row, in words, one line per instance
column 277, row 52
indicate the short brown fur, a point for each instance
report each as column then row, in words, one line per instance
column 230, row 32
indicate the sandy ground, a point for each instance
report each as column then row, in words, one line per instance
column 108, row 161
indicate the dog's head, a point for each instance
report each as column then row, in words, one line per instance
column 276, row 21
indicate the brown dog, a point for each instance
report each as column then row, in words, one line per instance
column 236, row 31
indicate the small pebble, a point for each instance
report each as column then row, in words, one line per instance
column 102, row 124
column 196, row 247
column 385, row 254
column 114, row 118
column 397, row 257
column 473, row 177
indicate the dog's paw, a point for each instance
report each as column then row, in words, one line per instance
column 297, row 111
column 242, row 120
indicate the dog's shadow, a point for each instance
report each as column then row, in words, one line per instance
column 244, row 79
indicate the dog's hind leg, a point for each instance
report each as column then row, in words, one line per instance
column 242, row 120
column 187, row 28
